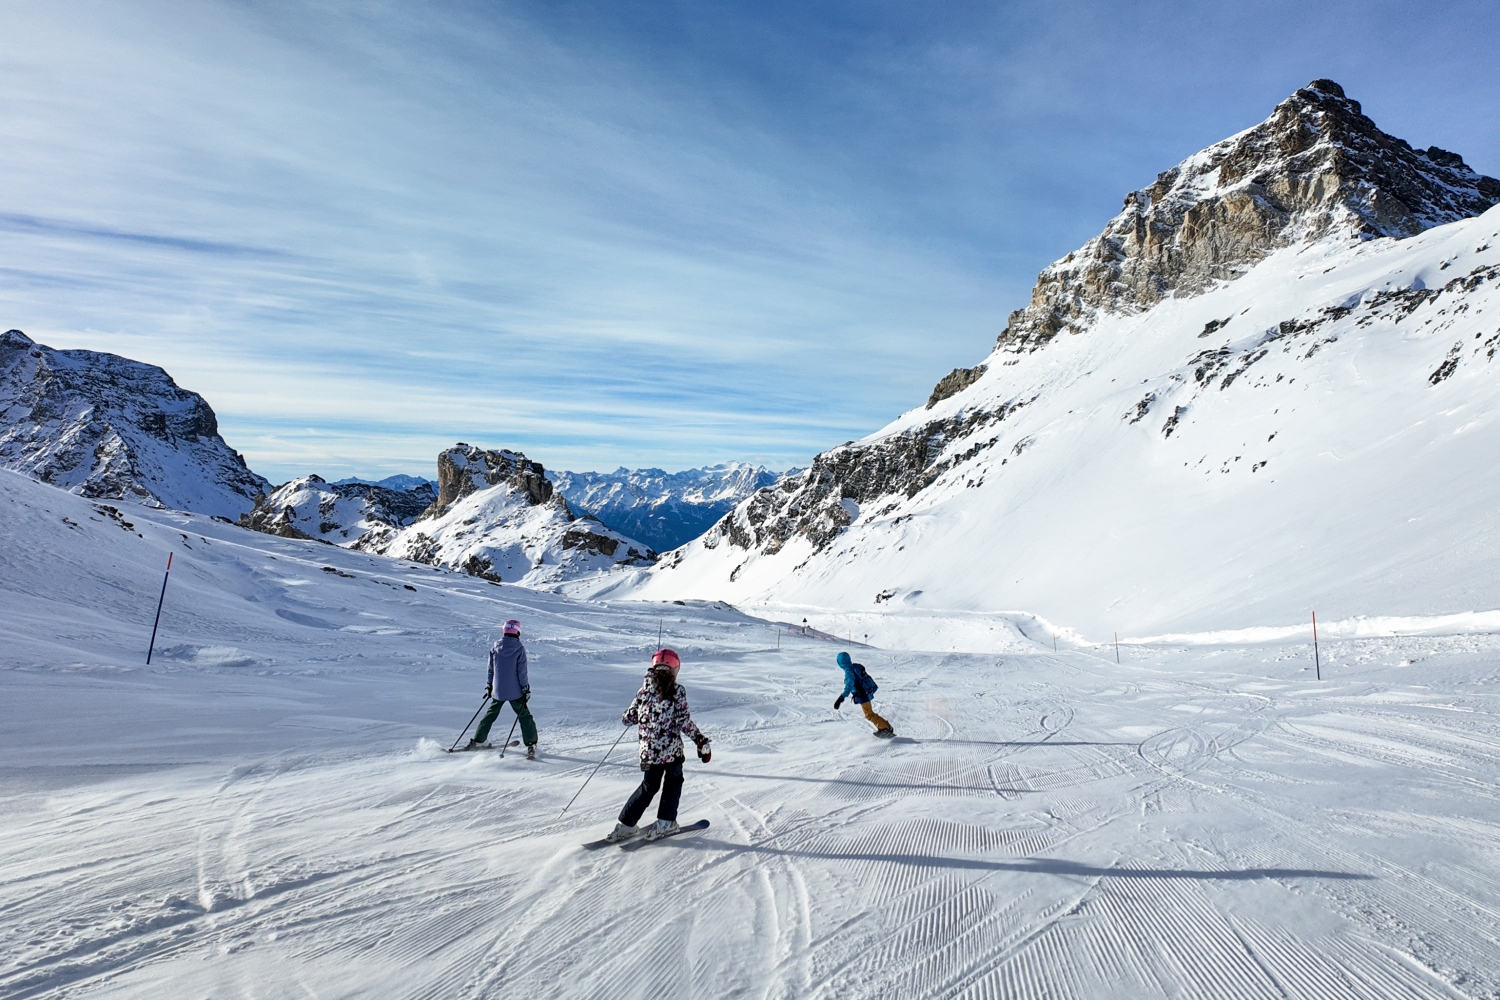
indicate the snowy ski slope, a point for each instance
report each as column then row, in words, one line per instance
column 266, row 810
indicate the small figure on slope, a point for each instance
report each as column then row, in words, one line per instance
column 862, row 687
column 508, row 682
column 660, row 708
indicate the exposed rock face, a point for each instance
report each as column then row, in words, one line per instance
column 497, row 517
column 1316, row 167
column 821, row 501
column 1316, row 164
column 104, row 426
column 464, row 468
column 341, row 513
column 662, row 509
column 954, row 383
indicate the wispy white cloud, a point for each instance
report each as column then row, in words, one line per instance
column 602, row 233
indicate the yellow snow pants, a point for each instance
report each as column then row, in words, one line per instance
column 870, row 714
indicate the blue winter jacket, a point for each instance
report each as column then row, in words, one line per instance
column 508, row 669
column 857, row 680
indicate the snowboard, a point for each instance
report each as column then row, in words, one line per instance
column 482, row 746
column 639, row 839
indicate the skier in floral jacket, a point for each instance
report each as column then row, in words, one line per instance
column 660, row 709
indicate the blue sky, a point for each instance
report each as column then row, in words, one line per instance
column 634, row 234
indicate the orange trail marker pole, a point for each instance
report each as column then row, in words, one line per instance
column 159, row 602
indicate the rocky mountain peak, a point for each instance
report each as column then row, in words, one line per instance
column 109, row 427
column 1316, row 165
column 465, row 468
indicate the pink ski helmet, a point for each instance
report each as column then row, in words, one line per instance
column 512, row 627
column 667, row 658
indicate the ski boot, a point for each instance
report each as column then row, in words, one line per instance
column 662, row 828
column 474, row 744
column 619, row 833
column 531, row 751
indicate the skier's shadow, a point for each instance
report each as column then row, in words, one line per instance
column 888, row 785
column 1034, row 866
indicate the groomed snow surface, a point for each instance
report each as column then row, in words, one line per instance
column 266, row 811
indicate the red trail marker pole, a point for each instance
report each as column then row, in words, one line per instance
column 159, row 602
column 1317, row 664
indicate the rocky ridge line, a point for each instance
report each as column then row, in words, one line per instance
column 1316, row 165
column 105, row 426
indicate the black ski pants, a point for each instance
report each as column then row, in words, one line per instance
column 668, row 778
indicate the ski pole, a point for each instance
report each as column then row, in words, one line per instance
column 509, row 735
column 592, row 773
column 159, row 602
column 471, row 721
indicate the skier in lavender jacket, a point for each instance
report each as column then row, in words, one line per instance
column 508, row 682
column 660, row 709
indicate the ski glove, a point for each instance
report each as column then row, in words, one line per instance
column 525, row 694
column 838, row 701
column 705, row 753
column 486, row 692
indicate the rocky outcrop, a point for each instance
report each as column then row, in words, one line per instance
column 497, row 516
column 104, row 426
column 464, row 468
column 821, row 501
column 954, row 383
column 341, row 513
column 1317, row 164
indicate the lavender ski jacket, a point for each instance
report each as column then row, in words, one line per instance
column 508, row 669
column 662, row 721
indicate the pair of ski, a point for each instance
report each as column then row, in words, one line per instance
column 639, row 839
column 481, row 746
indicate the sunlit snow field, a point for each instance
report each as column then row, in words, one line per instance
column 266, row 811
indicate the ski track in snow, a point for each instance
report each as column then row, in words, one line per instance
column 267, row 810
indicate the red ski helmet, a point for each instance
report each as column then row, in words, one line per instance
column 667, row 658
column 512, row 627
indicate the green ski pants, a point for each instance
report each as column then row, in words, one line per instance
column 528, row 724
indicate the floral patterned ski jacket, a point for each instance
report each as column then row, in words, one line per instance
column 662, row 721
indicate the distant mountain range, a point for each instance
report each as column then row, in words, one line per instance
column 662, row 509
column 397, row 482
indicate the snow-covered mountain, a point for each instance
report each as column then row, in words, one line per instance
column 1267, row 387
column 497, row 516
column 341, row 513
column 104, row 426
column 397, row 482
column 662, row 509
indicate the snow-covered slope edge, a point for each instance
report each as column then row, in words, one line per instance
column 104, row 426
column 1316, row 433
column 497, row 516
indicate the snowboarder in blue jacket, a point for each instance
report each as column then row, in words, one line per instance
column 507, row 681
column 862, row 687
